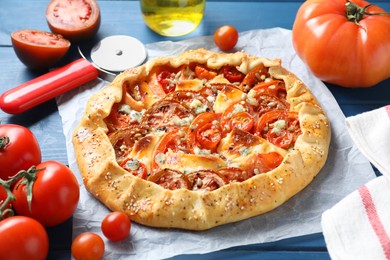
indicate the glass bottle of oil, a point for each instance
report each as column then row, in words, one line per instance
column 173, row 17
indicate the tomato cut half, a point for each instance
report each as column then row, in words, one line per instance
column 76, row 20
column 39, row 49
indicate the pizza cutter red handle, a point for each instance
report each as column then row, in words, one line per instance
column 47, row 86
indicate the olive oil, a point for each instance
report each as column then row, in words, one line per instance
column 172, row 17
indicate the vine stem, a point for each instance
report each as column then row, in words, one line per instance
column 28, row 177
column 355, row 13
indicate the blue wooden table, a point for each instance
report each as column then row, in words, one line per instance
column 124, row 17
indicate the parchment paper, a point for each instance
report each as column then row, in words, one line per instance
column 345, row 171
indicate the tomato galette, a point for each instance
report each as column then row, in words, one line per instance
column 201, row 139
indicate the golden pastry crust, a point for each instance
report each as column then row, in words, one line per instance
column 149, row 203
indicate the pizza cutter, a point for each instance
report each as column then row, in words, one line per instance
column 110, row 56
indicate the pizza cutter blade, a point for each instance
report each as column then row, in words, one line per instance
column 110, row 56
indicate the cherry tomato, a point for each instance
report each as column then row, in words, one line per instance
column 226, row 37
column 135, row 167
column 19, row 150
column 116, row 226
column 55, row 194
column 343, row 42
column 38, row 49
column 76, row 20
column 23, row 238
column 88, row 246
column 170, row 179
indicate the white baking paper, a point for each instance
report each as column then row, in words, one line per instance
column 345, row 171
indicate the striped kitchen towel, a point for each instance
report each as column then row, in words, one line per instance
column 358, row 227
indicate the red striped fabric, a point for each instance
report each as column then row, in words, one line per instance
column 374, row 218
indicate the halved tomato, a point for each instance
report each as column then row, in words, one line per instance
column 76, row 20
column 233, row 174
column 39, row 49
column 236, row 116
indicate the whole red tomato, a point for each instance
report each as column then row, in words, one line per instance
column 116, row 226
column 39, row 49
column 226, row 37
column 55, row 194
column 88, row 245
column 23, row 238
column 19, row 150
column 343, row 42
column 75, row 20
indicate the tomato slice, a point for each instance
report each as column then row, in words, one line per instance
column 124, row 139
column 232, row 74
column 254, row 76
column 170, row 179
column 176, row 141
column 262, row 163
column 39, row 49
column 204, row 132
column 166, row 115
column 206, row 180
column 76, row 20
column 191, row 99
column 204, row 73
column 121, row 117
column 135, row 167
column 237, row 116
column 233, row 174
column 166, row 80
column 279, row 127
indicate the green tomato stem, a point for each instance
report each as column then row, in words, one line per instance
column 4, row 141
column 356, row 13
column 28, row 178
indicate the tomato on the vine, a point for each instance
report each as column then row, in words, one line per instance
column 344, row 42
column 87, row 245
column 19, row 150
column 226, row 37
column 23, row 238
column 116, row 226
column 55, row 194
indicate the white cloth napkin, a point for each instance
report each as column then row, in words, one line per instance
column 358, row 227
